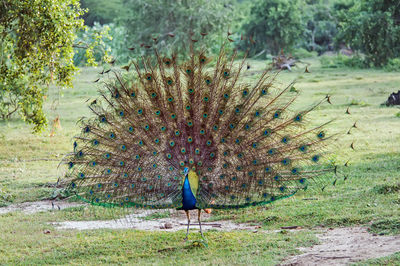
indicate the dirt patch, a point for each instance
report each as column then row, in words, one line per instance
column 175, row 221
column 38, row 206
column 342, row 246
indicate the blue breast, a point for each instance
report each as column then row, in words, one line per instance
column 188, row 199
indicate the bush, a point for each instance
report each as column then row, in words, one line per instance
column 321, row 26
column 36, row 40
column 338, row 61
column 159, row 19
column 98, row 36
column 372, row 27
column 274, row 25
column 393, row 64
column 303, row 53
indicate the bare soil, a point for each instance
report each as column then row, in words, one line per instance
column 38, row 206
column 177, row 220
column 342, row 246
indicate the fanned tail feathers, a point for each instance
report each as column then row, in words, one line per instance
column 244, row 142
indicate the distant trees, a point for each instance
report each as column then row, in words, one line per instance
column 373, row 27
column 39, row 39
column 147, row 19
column 102, row 11
column 320, row 26
column 284, row 24
column 274, row 24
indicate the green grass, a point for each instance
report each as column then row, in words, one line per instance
column 391, row 260
column 26, row 243
column 370, row 195
column 157, row 215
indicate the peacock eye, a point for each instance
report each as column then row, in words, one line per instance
column 226, row 73
column 315, row 158
column 202, row 59
column 148, row 77
column 285, row 140
column 277, row 114
column 167, row 61
column 298, row 118
column 169, row 81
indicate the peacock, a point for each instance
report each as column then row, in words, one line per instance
column 187, row 132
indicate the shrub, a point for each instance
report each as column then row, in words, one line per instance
column 303, row 53
column 372, row 27
column 274, row 25
column 99, row 35
column 338, row 61
column 393, row 64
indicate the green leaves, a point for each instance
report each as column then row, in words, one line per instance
column 274, row 25
column 95, row 43
column 373, row 27
column 36, row 49
column 147, row 19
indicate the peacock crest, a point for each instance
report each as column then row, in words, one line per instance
column 169, row 117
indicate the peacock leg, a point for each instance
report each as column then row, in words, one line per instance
column 201, row 231
column 188, row 217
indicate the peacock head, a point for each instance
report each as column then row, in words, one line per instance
column 186, row 171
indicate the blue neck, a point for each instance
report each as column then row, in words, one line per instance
column 188, row 199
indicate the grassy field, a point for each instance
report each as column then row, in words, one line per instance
column 370, row 195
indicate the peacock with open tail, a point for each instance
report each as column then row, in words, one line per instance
column 189, row 133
